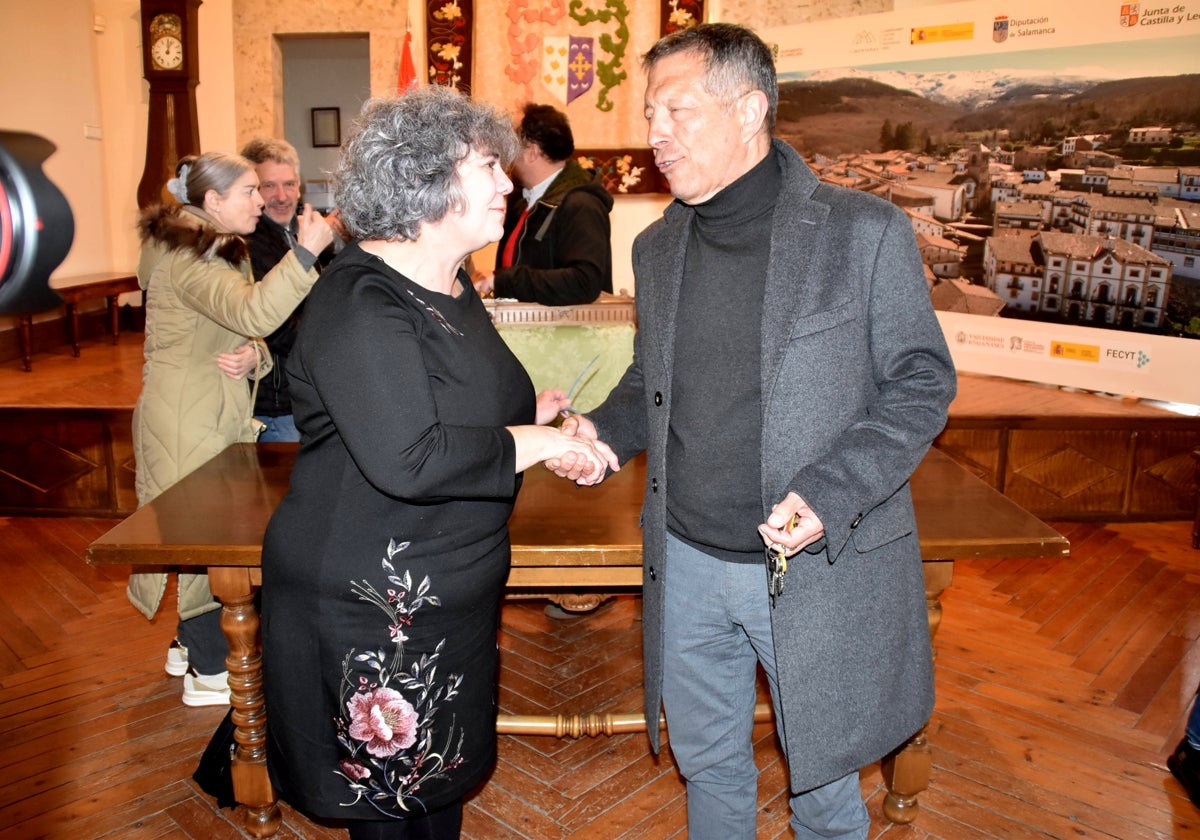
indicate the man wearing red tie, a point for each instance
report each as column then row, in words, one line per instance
column 556, row 249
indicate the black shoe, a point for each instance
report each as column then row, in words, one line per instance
column 1184, row 765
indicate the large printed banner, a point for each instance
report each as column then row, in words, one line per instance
column 1130, row 364
column 979, row 30
column 971, row 58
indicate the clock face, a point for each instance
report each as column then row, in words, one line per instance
column 167, row 53
column 165, row 36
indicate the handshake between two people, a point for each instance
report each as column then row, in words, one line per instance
column 572, row 465
column 571, row 451
column 791, row 526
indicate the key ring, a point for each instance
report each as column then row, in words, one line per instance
column 776, row 569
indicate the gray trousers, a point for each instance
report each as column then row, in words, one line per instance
column 717, row 624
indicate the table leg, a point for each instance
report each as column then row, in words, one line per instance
column 73, row 325
column 114, row 313
column 25, row 339
column 1196, row 519
column 240, row 622
column 906, row 771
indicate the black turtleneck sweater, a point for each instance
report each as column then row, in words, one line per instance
column 714, row 472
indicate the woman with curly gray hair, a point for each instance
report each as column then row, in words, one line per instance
column 384, row 565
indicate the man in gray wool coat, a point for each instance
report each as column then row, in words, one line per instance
column 788, row 376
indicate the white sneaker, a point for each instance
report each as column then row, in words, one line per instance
column 205, row 689
column 177, row 659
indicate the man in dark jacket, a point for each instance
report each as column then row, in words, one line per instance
column 789, row 374
column 278, row 169
column 556, row 248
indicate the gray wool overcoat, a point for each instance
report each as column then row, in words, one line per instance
column 856, row 382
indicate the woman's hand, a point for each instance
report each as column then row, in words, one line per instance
column 549, row 403
column 591, row 458
column 237, row 364
column 313, row 231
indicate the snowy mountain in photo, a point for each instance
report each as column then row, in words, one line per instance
column 966, row 88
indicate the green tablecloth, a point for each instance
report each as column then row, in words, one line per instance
column 556, row 355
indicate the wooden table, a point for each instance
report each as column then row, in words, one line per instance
column 562, row 539
column 73, row 291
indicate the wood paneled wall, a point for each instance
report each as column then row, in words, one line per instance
column 1083, row 467
column 75, row 461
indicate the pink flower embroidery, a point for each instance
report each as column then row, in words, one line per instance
column 353, row 769
column 383, row 720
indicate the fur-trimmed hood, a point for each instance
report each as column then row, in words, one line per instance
column 190, row 228
column 201, row 301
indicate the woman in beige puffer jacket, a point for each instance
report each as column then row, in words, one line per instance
column 204, row 313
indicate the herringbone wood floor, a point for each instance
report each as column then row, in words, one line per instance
column 1061, row 687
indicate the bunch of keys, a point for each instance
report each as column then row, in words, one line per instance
column 776, row 569
column 777, row 563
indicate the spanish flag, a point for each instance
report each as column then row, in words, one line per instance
column 408, row 71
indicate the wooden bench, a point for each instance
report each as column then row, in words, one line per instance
column 74, row 290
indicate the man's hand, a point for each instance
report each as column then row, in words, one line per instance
column 592, row 462
column 334, row 217
column 570, row 466
column 576, row 425
column 792, row 525
column 485, row 283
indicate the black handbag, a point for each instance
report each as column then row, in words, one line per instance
column 214, row 775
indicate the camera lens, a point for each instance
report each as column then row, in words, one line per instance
column 36, row 225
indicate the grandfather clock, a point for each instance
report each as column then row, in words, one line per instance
column 171, row 64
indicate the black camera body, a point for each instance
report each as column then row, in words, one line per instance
column 36, row 225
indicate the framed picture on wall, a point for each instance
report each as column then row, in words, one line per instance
column 326, row 127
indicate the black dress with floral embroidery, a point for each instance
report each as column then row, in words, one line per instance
column 383, row 566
